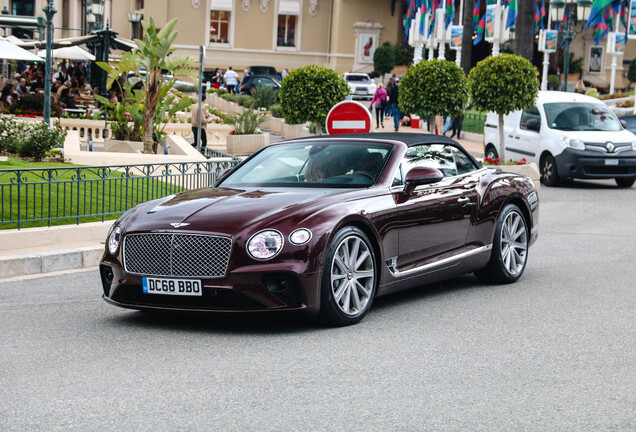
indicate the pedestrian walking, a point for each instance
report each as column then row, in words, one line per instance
column 392, row 92
column 205, row 118
column 380, row 103
column 231, row 78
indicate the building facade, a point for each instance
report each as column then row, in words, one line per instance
column 341, row 34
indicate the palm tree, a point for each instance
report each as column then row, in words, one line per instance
column 524, row 40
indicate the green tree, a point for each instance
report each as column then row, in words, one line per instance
column 503, row 84
column 309, row 92
column 152, row 56
column 433, row 87
column 384, row 59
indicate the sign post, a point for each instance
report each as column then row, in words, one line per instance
column 349, row 117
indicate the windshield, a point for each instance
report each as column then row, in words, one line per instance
column 577, row 116
column 316, row 164
column 358, row 78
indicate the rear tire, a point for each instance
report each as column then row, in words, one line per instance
column 349, row 278
column 549, row 172
column 509, row 249
column 623, row 182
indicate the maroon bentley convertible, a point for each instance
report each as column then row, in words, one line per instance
column 323, row 225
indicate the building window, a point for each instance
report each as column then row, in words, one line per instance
column 139, row 4
column 219, row 26
column 286, row 32
column 25, row 8
column 220, row 15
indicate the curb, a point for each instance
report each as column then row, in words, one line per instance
column 50, row 261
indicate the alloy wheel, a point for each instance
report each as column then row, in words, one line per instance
column 352, row 275
column 514, row 243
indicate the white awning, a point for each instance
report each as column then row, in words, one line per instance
column 289, row 7
column 224, row 5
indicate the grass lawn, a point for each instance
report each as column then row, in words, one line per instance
column 66, row 193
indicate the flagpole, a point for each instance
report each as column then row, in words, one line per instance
column 441, row 53
column 495, row 43
column 546, row 56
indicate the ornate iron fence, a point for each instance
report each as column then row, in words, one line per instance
column 52, row 196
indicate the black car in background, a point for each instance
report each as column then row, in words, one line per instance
column 269, row 71
column 250, row 82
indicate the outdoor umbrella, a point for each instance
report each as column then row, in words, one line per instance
column 11, row 51
column 70, row 53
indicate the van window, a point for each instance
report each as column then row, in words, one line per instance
column 530, row 113
column 581, row 116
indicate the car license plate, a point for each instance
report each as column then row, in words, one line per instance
column 182, row 287
column 611, row 161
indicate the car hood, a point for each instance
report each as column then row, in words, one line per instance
column 601, row 137
column 223, row 210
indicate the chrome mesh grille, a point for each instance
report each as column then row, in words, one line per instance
column 177, row 255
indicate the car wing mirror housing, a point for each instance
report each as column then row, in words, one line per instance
column 533, row 124
column 624, row 124
column 421, row 176
column 223, row 173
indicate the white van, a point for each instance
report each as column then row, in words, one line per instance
column 569, row 136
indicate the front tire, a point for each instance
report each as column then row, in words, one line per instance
column 625, row 182
column 349, row 278
column 549, row 172
column 491, row 152
column 509, row 250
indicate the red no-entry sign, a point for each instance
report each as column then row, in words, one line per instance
column 348, row 117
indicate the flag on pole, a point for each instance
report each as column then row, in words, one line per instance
column 609, row 18
column 476, row 15
column 512, row 14
column 623, row 17
column 450, row 12
column 480, row 29
column 538, row 21
column 601, row 30
column 564, row 21
column 542, row 10
column 596, row 14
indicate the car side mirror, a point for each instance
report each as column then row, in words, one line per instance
column 223, row 173
column 533, row 124
column 624, row 124
column 421, row 176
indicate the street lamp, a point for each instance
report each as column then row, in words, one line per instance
column 134, row 19
column 576, row 9
column 49, row 10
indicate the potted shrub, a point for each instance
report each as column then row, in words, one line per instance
column 246, row 137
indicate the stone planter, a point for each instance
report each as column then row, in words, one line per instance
column 276, row 125
column 245, row 145
column 266, row 124
column 120, row 146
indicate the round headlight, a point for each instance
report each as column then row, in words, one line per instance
column 113, row 240
column 300, row 236
column 265, row 244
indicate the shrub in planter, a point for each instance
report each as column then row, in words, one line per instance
column 309, row 92
column 33, row 103
column 245, row 100
column 276, row 111
column 503, row 84
column 221, row 91
column 434, row 88
column 10, row 131
column 247, row 122
column 29, row 139
column 264, row 96
column 186, row 88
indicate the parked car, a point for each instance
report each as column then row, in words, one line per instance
column 269, row 71
column 569, row 136
column 323, row 225
column 250, row 82
column 361, row 85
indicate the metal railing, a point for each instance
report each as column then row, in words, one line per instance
column 46, row 196
column 474, row 123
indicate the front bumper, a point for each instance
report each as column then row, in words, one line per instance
column 271, row 290
column 585, row 164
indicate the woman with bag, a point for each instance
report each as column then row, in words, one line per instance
column 379, row 102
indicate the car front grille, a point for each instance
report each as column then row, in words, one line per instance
column 175, row 255
column 609, row 170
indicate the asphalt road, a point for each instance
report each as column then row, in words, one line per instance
column 555, row 351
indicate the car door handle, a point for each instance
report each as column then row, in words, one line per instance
column 465, row 201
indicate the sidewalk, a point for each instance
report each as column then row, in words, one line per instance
column 33, row 251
